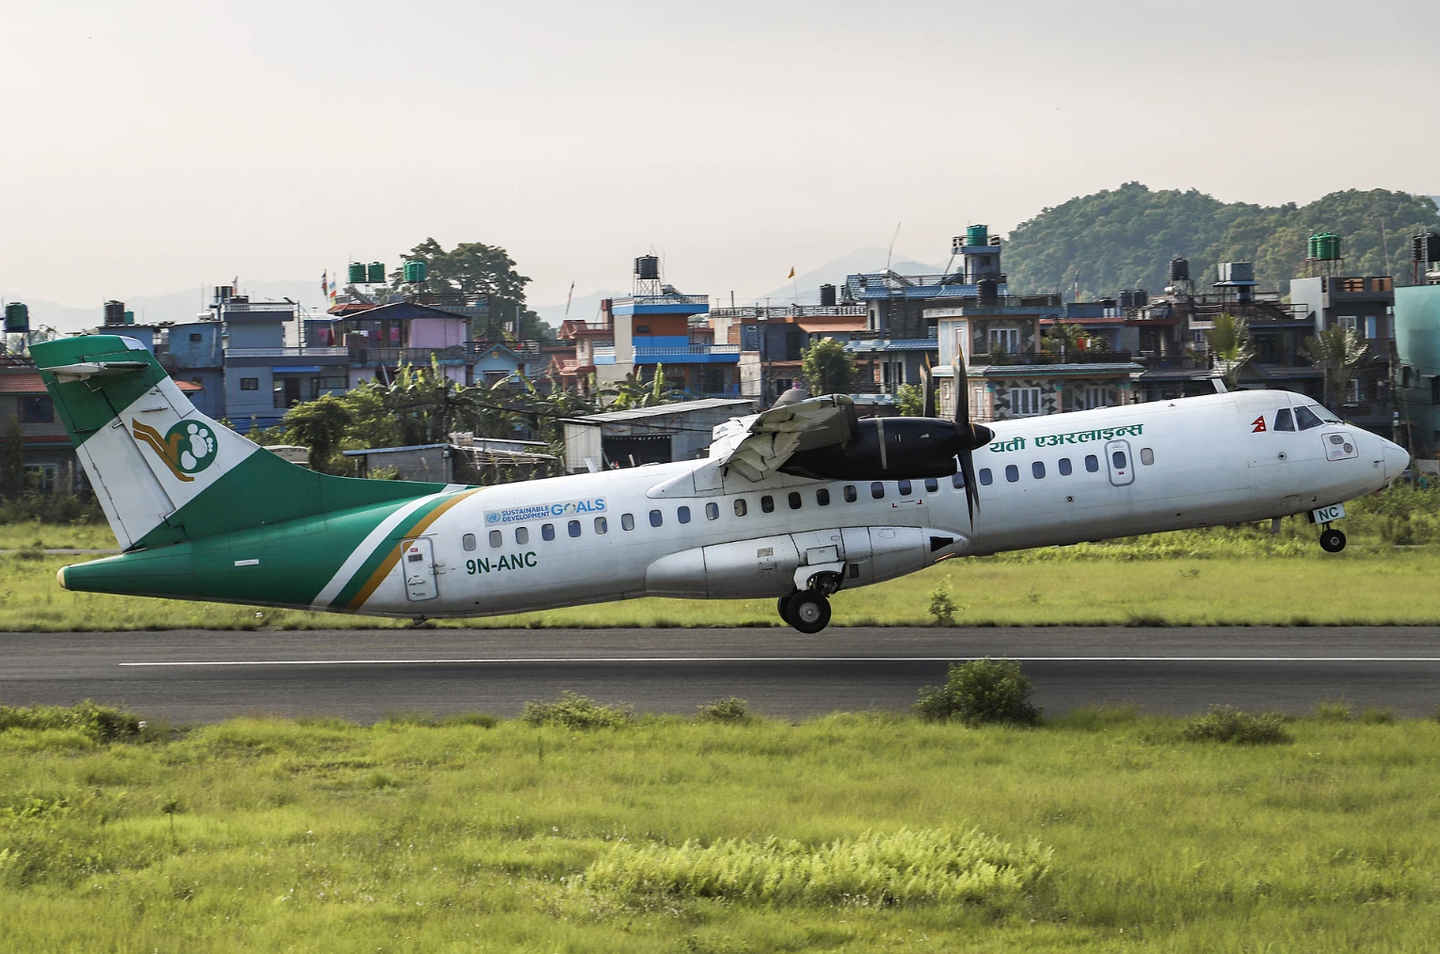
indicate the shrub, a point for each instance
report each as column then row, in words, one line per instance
column 100, row 723
column 942, row 607
column 725, row 710
column 980, row 691
column 574, row 711
column 1228, row 724
column 1332, row 712
column 907, row 867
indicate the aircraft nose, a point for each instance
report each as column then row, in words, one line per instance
column 1397, row 459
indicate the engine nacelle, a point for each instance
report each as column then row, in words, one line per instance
column 778, row 565
column 886, row 448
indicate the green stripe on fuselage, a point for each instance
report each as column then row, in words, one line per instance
column 279, row 565
column 374, row 561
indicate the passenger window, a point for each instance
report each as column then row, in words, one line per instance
column 822, row 497
column 1118, row 459
column 573, row 528
column 1037, row 470
column 600, row 525
column 1092, row 463
column 932, row 486
column 655, row 518
column 1147, row 456
column 497, row 539
column 1283, row 420
column 794, row 500
column 903, row 487
column 1306, row 419
column 767, row 503
column 547, row 531
column 522, row 535
column 468, row 541
column 957, row 480
column 740, row 508
column 1065, row 467
column 682, row 514
column 712, row 511
column 1012, row 473
column 850, row 495
column 877, row 490
column 627, row 521
column 986, row 478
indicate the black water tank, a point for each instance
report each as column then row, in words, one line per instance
column 1127, row 299
column 1142, row 298
column 114, row 313
column 647, row 267
column 988, row 291
column 1179, row 270
column 827, row 295
column 1427, row 247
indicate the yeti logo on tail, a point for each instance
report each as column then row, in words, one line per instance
column 187, row 448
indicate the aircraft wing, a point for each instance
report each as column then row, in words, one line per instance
column 760, row 444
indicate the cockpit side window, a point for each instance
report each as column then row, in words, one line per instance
column 1283, row 420
column 1306, row 418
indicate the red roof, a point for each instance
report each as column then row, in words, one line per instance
column 30, row 383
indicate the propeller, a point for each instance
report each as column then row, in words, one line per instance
column 971, row 435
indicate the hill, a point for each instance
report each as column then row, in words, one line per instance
column 1125, row 238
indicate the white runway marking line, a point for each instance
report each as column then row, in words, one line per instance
column 767, row 659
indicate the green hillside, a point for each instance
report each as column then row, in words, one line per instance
column 1125, row 238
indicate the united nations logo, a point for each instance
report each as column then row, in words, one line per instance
column 492, row 518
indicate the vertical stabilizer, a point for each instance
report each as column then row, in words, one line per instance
column 164, row 472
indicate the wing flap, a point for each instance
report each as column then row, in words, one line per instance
column 759, row 445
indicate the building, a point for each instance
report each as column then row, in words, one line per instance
column 1365, row 305
column 656, row 326
column 649, row 435
column 1417, row 344
column 772, row 341
column 467, row 460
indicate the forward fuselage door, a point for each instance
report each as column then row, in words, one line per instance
column 1120, row 463
column 417, row 562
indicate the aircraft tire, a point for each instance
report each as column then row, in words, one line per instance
column 1332, row 541
column 809, row 612
column 782, row 606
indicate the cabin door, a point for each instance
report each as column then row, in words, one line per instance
column 1120, row 462
column 417, row 562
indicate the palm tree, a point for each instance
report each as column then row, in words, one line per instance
column 1229, row 340
column 1339, row 351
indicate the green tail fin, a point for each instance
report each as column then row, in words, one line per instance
column 164, row 472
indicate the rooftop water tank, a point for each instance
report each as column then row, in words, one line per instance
column 988, row 290
column 17, row 317
column 1179, row 270
column 356, row 273
column 827, row 295
column 114, row 312
column 647, row 267
column 977, row 235
column 375, row 273
column 414, row 271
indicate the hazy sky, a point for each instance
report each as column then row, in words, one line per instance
column 150, row 146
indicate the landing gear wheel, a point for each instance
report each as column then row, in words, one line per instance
column 782, row 606
column 809, row 612
column 1332, row 541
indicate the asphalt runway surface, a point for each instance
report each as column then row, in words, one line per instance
column 186, row 676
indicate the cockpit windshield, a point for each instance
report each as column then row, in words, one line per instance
column 1325, row 414
column 1305, row 417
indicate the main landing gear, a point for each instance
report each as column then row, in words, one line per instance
column 1331, row 540
column 809, row 609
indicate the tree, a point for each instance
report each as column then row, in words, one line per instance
column 1229, row 340
column 635, row 392
column 910, row 398
column 12, row 462
column 827, row 367
column 474, row 271
column 320, row 425
column 1339, row 351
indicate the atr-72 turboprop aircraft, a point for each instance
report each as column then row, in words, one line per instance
column 793, row 503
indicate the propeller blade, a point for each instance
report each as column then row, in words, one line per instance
column 972, row 498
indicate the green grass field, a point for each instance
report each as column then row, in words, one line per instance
column 1105, row 831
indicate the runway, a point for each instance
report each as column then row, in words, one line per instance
column 187, row 676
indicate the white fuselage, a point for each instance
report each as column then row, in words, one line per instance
column 689, row 529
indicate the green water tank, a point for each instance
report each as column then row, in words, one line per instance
column 356, row 273
column 414, row 271
column 375, row 273
column 977, row 235
column 1312, row 246
column 129, row 317
column 1327, row 246
column 17, row 317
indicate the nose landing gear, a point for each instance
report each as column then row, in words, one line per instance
column 1331, row 540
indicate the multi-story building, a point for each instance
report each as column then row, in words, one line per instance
column 1365, row 305
column 1417, row 342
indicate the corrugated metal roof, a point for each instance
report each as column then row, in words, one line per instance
column 663, row 410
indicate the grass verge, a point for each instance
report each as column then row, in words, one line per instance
column 1103, row 831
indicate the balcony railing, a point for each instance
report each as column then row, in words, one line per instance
column 374, row 357
column 661, row 351
column 662, row 300
column 1048, row 358
column 789, row 311
column 301, row 352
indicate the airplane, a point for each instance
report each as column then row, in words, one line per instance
column 794, row 503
